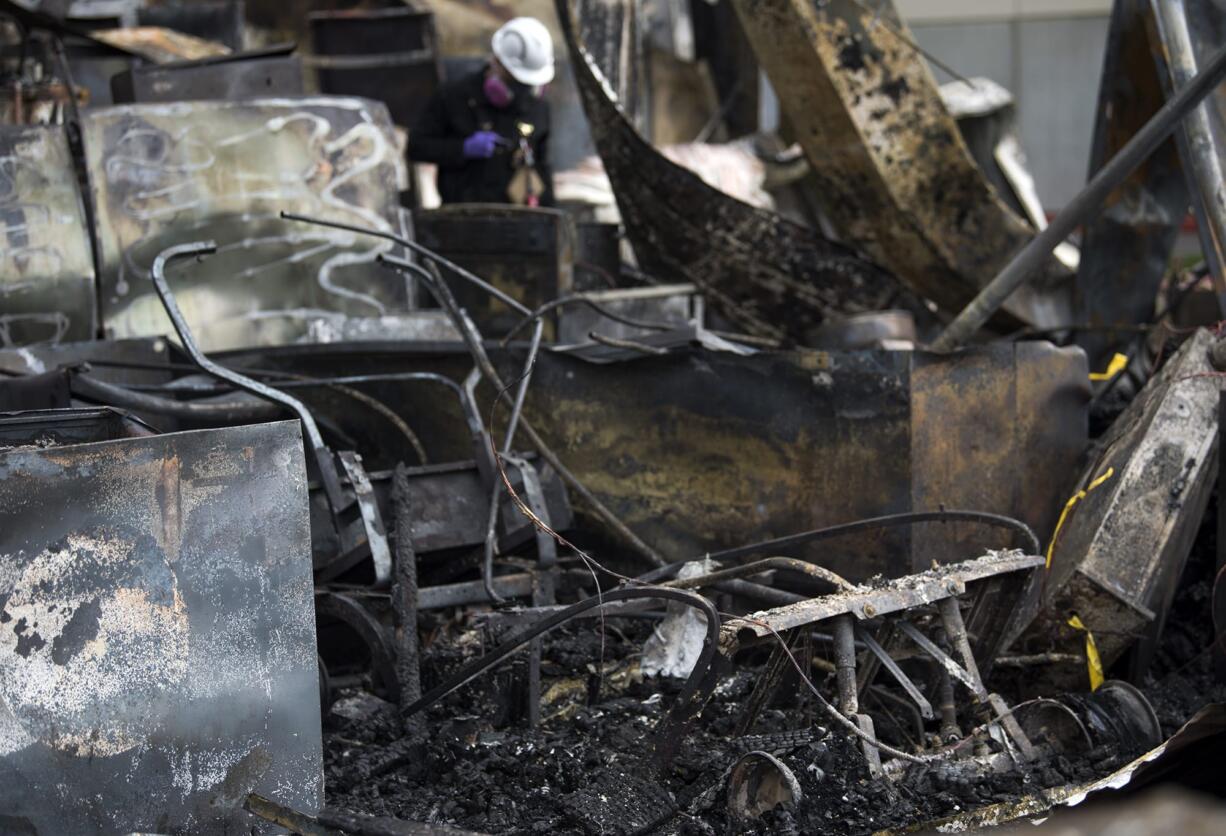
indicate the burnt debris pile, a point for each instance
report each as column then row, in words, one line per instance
column 824, row 488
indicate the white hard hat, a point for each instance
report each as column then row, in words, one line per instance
column 523, row 45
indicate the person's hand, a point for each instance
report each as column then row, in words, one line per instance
column 481, row 145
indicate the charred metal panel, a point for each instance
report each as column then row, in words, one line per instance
column 157, row 639
column 526, row 252
column 388, row 54
column 450, row 506
column 62, row 426
column 165, row 174
column 1128, row 245
column 708, row 450
column 763, row 273
column 700, row 450
column 892, row 170
column 234, row 77
column 1007, row 408
column 46, row 266
column 1121, row 550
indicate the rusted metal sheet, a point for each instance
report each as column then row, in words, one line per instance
column 157, row 639
column 1128, row 246
column 763, row 273
column 705, row 450
column 162, row 174
column 1121, row 550
column 701, row 450
column 47, row 290
column 892, row 170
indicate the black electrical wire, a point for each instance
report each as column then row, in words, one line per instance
column 870, row 524
column 229, row 411
column 887, row 521
column 580, row 299
column 479, row 666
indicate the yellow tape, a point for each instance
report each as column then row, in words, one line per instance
column 1094, row 664
column 1118, row 363
column 1068, row 506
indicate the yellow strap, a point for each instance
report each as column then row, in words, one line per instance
column 1118, row 363
column 1068, row 506
column 1094, row 664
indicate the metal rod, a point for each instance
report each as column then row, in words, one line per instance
column 595, row 304
column 323, row 457
column 1082, row 207
column 1200, row 146
column 487, row 370
column 404, row 594
column 845, row 664
column 887, row 662
column 763, row 565
column 887, row 521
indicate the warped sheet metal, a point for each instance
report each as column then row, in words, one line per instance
column 1128, row 245
column 1195, row 747
column 164, row 174
column 46, row 267
column 763, row 273
column 157, row 637
column 700, row 450
column 893, row 173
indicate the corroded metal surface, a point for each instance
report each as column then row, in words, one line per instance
column 162, row 174
column 892, row 170
column 703, row 450
column 1121, row 550
column 157, row 639
column 765, row 274
column 881, row 599
column 46, row 267
column 707, row 450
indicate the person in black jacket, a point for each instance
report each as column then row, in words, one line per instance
column 489, row 131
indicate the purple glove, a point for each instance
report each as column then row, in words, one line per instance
column 481, row 145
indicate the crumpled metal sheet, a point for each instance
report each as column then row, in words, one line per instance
column 893, row 173
column 763, row 273
column 157, row 636
column 164, row 174
column 46, row 267
column 1195, row 746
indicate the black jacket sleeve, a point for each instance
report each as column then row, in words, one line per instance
column 433, row 139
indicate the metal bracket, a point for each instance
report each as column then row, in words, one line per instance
column 372, row 520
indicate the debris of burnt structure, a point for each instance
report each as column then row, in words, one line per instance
column 607, row 417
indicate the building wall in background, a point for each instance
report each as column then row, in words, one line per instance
column 1052, row 64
